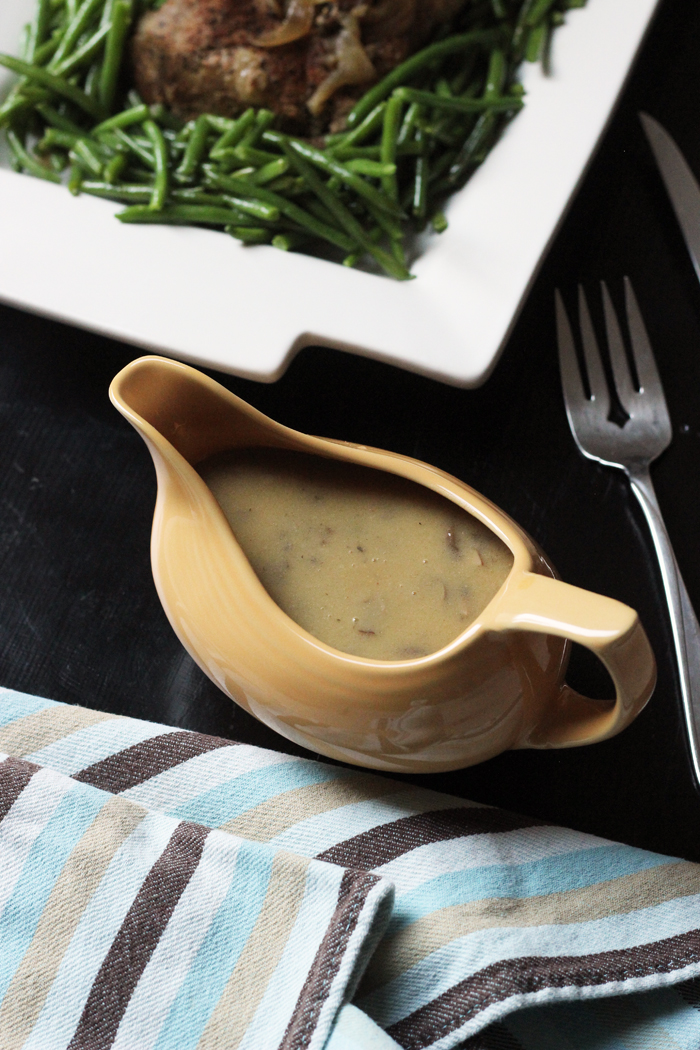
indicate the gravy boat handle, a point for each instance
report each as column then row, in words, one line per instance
column 609, row 629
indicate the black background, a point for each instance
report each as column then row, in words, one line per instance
column 79, row 617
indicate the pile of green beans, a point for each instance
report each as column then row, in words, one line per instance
column 410, row 141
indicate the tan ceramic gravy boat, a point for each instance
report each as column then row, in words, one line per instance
column 499, row 685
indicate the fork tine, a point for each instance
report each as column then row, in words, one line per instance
column 621, row 371
column 574, row 393
column 594, row 366
column 647, row 372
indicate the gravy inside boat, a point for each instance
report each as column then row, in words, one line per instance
column 367, row 562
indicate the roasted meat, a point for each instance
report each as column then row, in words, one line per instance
column 308, row 61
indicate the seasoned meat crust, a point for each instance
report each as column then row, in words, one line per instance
column 307, row 62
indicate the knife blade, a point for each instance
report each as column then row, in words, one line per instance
column 681, row 184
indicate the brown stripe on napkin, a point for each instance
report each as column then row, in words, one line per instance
column 14, row 777
column 138, row 936
column 142, row 761
column 354, row 889
column 509, row 977
column 371, row 849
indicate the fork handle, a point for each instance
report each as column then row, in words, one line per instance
column 684, row 622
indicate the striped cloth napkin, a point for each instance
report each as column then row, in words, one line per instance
column 165, row 889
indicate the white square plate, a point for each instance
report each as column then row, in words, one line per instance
column 201, row 296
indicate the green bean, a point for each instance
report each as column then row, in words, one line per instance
column 54, row 83
column 15, row 104
column 56, row 137
column 259, row 209
column 269, row 172
column 250, row 234
column 538, row 11
column 58, row 120
column 107, row 12
column 334, row 167
column 83, row 55
column 115, row 168
column 228, row 160
column 233, row 133
column 535, row 42
column 386, row 224
column 342, row 215
column 160, row 154
column 114, row 49
column 194, row 195
column 546, row 48
column 361, row 131
column 287, row 242
column 58, row 161
column 439, row 222
column 83, row 154
column 177, row 215
column 75, row 179
column 134, row 146
column 26, row 161
column 496, row 75
column 373, row 168
column 417, row 63
column 286, row 207
column 39, row 29
column 196, row 146
column 75, row 29
column 470, row 150
column 263, row 119
column 459, row 105
column 48, row 49
column 128, row 193
column 251, row 155
column 413, row 114
column 220, row 124
column 390, row 133
column 135, row 115
column 420, row 186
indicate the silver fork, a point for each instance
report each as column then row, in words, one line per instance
column 632, row 447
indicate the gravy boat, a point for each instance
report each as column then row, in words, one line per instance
column 499, row 685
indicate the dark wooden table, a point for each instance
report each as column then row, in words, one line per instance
column 79, row 617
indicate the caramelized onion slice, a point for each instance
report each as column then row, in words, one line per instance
column 298, row 20
column 354, row 65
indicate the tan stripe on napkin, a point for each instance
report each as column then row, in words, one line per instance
column 644, row 889
column 275, row 815
column 258, row 960
column 67, row 901
column 45, row 727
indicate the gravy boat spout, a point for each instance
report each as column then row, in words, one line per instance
column 498, row 685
